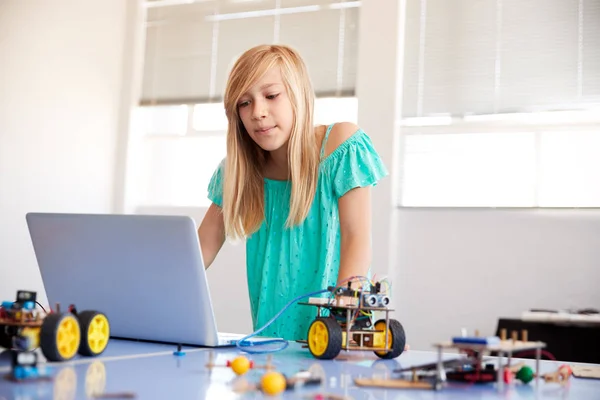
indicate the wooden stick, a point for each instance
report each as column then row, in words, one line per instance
column 392, row 383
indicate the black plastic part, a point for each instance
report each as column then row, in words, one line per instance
column 398, row 340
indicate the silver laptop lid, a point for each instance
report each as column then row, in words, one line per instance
column 144, row 272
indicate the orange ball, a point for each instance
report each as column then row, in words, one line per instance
column 240, row 365
column 273, row 383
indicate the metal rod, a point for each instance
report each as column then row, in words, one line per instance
column 500, row 374
column 441, row 373
column 347, row 329
column 387, row 328
column 538, row 355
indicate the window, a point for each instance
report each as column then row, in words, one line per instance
column 179, row 147
column 569, row 165
column 180, row 125
column 501, row 104
column 475, row 169
column 191, row 46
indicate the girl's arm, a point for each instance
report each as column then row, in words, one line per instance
column 211, row 234
column 355, row 216
column 355, row 226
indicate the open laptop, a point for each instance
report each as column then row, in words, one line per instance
column 145, row 272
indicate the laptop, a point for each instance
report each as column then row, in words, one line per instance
column 145, row 272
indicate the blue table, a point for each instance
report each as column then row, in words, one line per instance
column 151, row 371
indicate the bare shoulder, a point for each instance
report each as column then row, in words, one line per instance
column 340, row 132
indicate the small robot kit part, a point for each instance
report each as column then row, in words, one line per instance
column 472, row 367
column 271, row 383
column 349, row 323
column 25, row 367
column 60, row 335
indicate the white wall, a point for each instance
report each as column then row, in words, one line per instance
column 61, row 81
column 467, row 268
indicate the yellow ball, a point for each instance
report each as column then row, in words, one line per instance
column 240, row 365
column 273, row 383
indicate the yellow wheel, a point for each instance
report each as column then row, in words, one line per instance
column 396, row 339
column 95, row 332
column 325, row 338
column 60, row 337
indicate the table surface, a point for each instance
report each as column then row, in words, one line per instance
column 152, row 371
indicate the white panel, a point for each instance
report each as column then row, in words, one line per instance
column 569, row 166
column 163, row 120
column 178, row 170
column 336, row 109
column 210, row 117
column 508, row 261
column 62, row 81
column 469, row 170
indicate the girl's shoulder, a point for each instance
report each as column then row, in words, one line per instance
column 349, row 158
column 337, row 134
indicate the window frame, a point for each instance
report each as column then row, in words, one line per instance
column 583, row 121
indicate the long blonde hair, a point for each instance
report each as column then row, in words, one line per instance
column 243, row 188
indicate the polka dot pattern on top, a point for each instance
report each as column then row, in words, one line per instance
column 284, row 263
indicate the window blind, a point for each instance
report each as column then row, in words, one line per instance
column 482, row 57
column 191, row 47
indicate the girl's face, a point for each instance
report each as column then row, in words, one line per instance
column 266, row 111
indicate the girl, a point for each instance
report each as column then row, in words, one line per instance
column 298, row 194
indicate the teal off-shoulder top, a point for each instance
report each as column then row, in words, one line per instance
column 284, row 263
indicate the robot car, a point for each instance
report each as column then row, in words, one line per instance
column 60, row 335
column 349, row 324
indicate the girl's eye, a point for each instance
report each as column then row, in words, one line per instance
column 272, row 96
column 243, row 104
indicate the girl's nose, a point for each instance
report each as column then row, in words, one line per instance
column 260, row 110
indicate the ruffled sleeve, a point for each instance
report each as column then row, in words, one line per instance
column 355, row 163
column 215, row 186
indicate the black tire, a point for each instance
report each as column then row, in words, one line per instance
column 85, row 320
column 49, row 336
column 398, row 339
column 334, row 339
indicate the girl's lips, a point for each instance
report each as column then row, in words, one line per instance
column 265, row 130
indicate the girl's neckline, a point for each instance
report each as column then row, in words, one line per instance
column 277, row 180
column 324, row 159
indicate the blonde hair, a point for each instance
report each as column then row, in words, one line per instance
column 243, row 188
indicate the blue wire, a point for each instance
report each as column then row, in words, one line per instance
column 244, row 343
